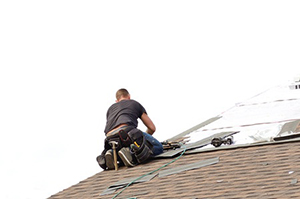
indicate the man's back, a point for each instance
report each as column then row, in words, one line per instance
column 124, row 112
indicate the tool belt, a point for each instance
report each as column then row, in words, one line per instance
column 120, row 135
column 128, row 136
column 141, row 147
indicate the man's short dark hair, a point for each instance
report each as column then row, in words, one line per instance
column 122, row 92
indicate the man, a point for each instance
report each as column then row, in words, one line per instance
column 121, row 126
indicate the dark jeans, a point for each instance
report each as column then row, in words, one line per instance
column 157, row 146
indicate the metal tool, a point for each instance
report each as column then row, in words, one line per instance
column 219, row 141
column 114, row 145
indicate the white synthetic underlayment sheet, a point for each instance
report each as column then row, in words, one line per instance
column 258, row 119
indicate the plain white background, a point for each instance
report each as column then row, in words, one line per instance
column 61, row 63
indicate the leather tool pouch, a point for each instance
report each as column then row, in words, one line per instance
column 143, row 153
column 136, row 135
column 121, row 137
column 125, row 140
column 141, row 147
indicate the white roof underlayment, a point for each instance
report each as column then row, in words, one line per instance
column 257, row 119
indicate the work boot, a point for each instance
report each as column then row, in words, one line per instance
column 126, row 157
column 109, row 158
column 101, row 161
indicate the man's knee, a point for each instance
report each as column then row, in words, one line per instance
column 157, row 146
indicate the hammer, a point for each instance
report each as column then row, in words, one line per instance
column 114, row 144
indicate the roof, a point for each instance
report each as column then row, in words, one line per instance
column 263, row 161
column 264, row 171
column 258, row 119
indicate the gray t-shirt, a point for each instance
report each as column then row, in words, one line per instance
column 123, row 112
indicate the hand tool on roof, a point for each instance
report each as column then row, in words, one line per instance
column 114, row 148
column 170, row 145
column 218, row 141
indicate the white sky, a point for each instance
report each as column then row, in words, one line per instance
column 61, row 63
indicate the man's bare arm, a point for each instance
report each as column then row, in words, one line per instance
column 148, row 123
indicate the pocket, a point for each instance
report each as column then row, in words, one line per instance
column 125, row 139
column 136, row 135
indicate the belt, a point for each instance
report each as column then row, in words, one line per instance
column 116, row 131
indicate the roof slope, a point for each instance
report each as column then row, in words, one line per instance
column 263, row 162
column 262, row 171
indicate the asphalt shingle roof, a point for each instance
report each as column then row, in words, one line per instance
column 256, row 166
column 261, row 171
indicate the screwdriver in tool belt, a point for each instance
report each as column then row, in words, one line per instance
column 136, row 144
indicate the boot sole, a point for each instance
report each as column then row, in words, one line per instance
column 125, row 159
column 109, row 161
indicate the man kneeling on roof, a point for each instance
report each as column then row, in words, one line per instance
column 133, row 146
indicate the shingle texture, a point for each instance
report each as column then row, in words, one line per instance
column 263, row 171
